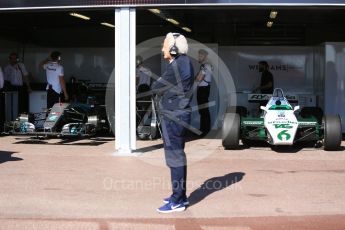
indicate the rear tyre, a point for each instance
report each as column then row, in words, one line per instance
column 231, row 131
column 332, row 132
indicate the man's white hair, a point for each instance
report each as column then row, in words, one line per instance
column 180, row 42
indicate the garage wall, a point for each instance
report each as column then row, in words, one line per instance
column 6, row 47
column 292, row 69
column 91, row 63
column 300, row 70
column 86, row 63
column 319, row 75
column 334, row 76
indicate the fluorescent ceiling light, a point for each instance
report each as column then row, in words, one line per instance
column 269, row 24
column 187, row 29
column 108, row 24
column 155, row 11
column 173, row 21
column 273, row 14
column 79, row 16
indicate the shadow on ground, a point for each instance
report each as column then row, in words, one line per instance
column 150, row 148
column 213, row 185
column 72, row 141
column 190, row 137
column 300, row 146
column 290, row 149
column 7, row 156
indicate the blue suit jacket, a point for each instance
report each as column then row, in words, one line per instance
column 175, row 85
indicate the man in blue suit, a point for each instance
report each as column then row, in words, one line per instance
column 174, row 108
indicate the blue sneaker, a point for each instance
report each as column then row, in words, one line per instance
column 171, row 207
column 184, row 200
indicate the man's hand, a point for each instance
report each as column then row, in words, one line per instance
column 45, row 61
column 199, row 77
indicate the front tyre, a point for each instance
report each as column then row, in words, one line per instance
column 231, row 131
column 332, row 132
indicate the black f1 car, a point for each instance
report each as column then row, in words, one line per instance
column 63, row 120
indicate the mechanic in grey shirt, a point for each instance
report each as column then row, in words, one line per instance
column 204, row 79
column 18, row 77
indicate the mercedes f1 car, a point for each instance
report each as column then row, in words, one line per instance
column 64, row 120
column 280, row 124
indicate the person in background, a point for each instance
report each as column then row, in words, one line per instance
column 17, row 76
column 56, row 85
column 266, row 83
column 174, row 109
column 143, row 76
column 203, row 80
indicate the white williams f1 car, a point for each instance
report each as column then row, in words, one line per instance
column 281, row 125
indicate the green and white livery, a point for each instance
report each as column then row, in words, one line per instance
column 281, row 124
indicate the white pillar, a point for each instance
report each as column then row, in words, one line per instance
column 125, row 97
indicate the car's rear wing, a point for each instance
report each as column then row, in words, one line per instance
column 259, row 97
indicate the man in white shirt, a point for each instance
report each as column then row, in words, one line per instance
column 56, row 86
column 143, row 76
column 16, row 74
column 203, row 80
